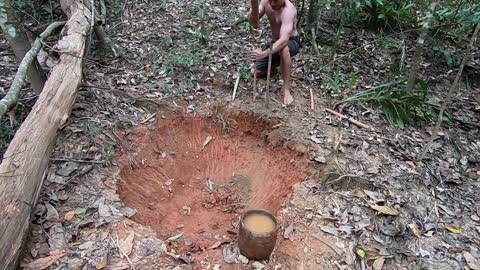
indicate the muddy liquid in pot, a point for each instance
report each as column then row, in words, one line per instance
column 259, row 223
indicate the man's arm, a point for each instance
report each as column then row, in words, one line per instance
column 285, row 32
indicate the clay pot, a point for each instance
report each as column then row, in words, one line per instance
column 257, row 246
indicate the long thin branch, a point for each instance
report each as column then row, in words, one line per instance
column 11, row 98
column 450, row 93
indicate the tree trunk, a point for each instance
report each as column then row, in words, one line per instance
column 417, row 56
column 18, row 40
column 26, row 159
column 313, row 12
column 254, row 20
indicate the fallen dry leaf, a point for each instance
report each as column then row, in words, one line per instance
column 471, row 261
column 52, row 213
column 126, row 244
column 378, row 264
column 44, row 263
column 86, row 245
column 207, row 141
column 214, row 246
column 387, row 210
column 288, row 231
column 350, row 260
column 415, row 230
column 69, row 215
column 360, row 194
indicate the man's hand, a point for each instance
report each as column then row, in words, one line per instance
column 258, row 54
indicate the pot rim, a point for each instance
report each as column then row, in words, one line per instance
column 259, row 211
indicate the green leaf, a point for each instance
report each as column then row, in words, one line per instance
column 454, row 229
column 80, row 211
column 175, row 237
column 361, row 253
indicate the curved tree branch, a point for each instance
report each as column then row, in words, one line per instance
column 11, row 97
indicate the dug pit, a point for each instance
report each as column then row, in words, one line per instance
column 193, row 176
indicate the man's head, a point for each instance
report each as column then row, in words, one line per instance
column 277, row 4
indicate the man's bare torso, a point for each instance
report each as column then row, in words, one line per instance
column 275, row 18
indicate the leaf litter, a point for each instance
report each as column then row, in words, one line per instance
column 416, row 190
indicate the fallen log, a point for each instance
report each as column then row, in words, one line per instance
column 11, row 98
column 26, row 159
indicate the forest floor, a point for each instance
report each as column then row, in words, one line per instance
column 157, row 163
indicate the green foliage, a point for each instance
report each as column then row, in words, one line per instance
column 387, row 13
column 387, row 43
column 244, row 72
column 166, row 42
column 115, row 7
column 92, row 128
column 399, row 107
column 440, row 52
column 384, row 14
column 177, row 61
column 40, row 11
column 108, row 154
column 6, row 135
column 458, row 17
column 335, row 83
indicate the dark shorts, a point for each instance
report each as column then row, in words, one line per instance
column 293, row 46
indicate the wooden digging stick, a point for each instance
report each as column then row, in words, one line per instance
column 268, row 79
column 254, row 80
column 255, row 22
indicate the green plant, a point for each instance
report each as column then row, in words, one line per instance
column 244, row 72
column 384, row 13
column 40, row 11
column 458, row 18
column 387, row 43
column 116, row 7
column 108, row 153
column 176, row 61
column 441, row 52
column 92, row 128
column 399, row 107
column 166, row 42
column 6, row 135
column 335, row 83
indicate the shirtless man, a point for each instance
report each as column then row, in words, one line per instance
column 286, row 43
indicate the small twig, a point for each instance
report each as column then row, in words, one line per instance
column 123, row 253
column 312, row 103
column 77, row 160
column 340, row 178
column 148, row 118
column 236, row 85
column 351, row 120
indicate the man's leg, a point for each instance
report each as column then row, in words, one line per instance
column 286, row 67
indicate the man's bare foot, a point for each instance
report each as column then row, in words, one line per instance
column 287, row 97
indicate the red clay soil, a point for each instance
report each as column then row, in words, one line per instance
column 166, row 179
